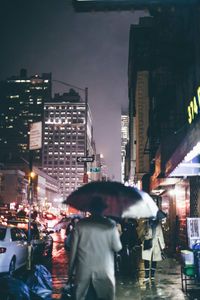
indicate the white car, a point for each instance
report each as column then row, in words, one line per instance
column 13, row 249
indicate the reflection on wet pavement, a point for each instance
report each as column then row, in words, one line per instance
column 167, row 284
column 59, row 265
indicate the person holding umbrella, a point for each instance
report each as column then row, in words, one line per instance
column 95, row 240
column 119, row 201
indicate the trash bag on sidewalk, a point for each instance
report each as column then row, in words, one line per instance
column 40, row 283
column 12, row 288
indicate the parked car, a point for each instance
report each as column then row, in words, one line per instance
column 43, row 245
column 41, row 240
column 13, row 249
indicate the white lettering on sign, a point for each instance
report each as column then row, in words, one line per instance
column 35, row 139
column 85, row 159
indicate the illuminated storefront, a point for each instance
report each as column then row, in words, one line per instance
column 177, row 180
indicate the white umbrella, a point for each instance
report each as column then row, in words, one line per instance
column 146, row 208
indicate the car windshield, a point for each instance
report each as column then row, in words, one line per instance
column 2, row 233
column 22, row 224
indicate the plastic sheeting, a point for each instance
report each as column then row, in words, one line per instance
column 40, row 283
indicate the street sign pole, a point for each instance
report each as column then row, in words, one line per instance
column 35, row 143
column 30, row 199
column 85, row 176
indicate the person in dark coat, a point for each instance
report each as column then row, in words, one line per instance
column 69, row 232
column 71, row 225
column 129, row 240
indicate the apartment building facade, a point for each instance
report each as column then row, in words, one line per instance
column 67, row 138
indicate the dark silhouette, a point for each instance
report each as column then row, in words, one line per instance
column 129, row 255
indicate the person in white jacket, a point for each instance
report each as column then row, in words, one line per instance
column 152, row 255
column 94, row 242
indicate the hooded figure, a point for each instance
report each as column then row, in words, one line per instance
column 94, row 242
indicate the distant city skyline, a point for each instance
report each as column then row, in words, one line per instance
column 82, row 49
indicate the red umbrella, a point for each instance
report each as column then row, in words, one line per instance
column 116, row 196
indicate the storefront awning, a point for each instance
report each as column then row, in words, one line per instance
column 183, row 161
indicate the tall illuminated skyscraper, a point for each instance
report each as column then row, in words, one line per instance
column 21, row 103
column 64, row 139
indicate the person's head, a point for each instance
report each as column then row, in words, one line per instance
column 97, row 206
column 76, row 220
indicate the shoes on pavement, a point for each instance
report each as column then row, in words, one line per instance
column 146, row 279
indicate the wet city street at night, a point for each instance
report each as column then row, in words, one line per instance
column 59, row 265
column 167, row 283
column 100, row 150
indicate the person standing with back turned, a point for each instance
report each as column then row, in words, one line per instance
column 153, row 254
column 94, row 242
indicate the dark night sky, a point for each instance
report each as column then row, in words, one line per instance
column 84, row 49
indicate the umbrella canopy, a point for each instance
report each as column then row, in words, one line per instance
column 117, row 197
column 142, row 209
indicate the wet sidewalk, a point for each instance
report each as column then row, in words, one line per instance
column 167, row 284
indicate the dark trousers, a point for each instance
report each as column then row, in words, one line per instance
column 147, row 266
column 128, row 261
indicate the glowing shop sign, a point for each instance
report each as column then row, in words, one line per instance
column 194, row 107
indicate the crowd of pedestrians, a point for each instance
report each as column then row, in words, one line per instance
column 101, row 248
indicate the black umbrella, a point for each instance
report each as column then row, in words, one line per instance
column 116, row 196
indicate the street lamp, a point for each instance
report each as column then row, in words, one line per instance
column 85, row 90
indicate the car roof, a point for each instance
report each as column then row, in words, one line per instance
column 8, row 226
column 19, row 220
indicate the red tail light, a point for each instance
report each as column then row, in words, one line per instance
column 2, row 250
